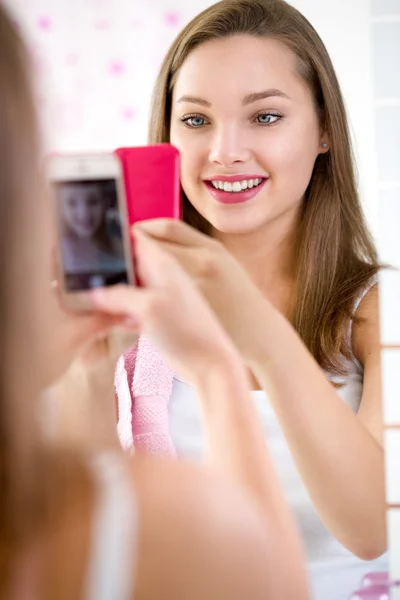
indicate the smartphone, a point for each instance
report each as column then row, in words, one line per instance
column 94, row 246
column 152, row 182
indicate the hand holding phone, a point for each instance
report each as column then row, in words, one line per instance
column 94, row 246
column 98, row 198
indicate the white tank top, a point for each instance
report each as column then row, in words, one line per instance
column 325, row 555
column 112, row 561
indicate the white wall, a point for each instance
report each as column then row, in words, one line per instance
column 98, row 60
column 386, row 46
column 345, row 28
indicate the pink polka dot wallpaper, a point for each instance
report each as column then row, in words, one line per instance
column 95, row 64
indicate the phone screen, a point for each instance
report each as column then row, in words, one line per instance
column 90, row 234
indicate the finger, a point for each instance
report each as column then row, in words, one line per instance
column 54, row 265
column 90, row 327
column 186, row 257
column 55, row 274
column 121, row 300
column 172, row 230
column 89, row 324
column 155, row 265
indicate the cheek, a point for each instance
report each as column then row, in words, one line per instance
column 193, row 156
column 291, row 159
column 191, row 168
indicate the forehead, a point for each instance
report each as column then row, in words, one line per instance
column 228, row 69
column 79, row 191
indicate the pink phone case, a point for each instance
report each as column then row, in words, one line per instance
column 152, row 183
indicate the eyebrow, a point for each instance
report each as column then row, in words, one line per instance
column 249, row 99
column 271, row 93
column 194, row 100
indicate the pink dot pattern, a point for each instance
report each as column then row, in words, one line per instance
column 172, row 18
column 117, row 67
column 45, row 23
column 96, row 63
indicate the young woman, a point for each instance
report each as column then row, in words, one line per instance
column 88, row 240
column 78, row 518
column 276, row 241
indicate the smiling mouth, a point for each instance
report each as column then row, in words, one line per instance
column 235, row 192
column 236, row 186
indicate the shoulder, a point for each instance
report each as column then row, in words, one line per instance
column 199, row 537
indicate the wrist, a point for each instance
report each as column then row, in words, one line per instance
column 225, row 370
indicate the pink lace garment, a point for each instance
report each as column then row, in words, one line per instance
column 143, row 383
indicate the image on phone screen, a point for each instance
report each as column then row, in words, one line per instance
column 91, row 234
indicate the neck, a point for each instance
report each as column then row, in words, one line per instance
column 268, row 254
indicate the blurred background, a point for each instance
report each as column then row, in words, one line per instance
column 98, row 59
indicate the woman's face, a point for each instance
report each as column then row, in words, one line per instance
column 83, row 209
column 244, row 120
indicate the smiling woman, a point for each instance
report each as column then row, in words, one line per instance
column 245, row 135
column 282, row 253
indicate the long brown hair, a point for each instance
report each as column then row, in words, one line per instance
column 36, row 484
column 336, row 253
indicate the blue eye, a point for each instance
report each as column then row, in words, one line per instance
column 194, row 121
column 267, row 118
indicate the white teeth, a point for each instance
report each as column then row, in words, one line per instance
column 237, row 186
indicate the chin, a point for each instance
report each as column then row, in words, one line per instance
column 237, row 225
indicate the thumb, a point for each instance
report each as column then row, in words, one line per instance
column 125, row 300
column 153, row 264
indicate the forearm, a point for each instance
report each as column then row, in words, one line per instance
column 340, row 462
column 236, row 446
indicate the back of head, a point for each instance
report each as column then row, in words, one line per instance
column 19, row 228
column 336, row 255
column 33, row 480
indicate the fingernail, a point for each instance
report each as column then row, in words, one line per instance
column 98, row 295
column 143, row 225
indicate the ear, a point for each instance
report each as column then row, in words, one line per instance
column 324, row 143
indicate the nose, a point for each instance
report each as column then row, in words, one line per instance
column 82, row 212
column 229, row 147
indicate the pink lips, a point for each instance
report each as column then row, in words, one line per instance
column 234, row 197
